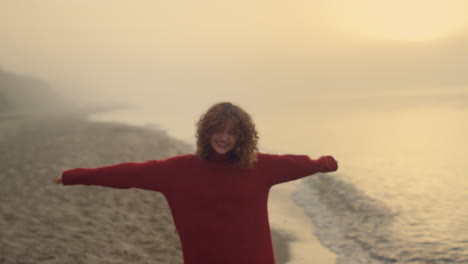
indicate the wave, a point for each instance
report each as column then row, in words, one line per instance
column 348, row 221
column 361, row 229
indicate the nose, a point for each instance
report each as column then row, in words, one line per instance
column 224, row 135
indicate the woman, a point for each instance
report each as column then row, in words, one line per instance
column 218, row 196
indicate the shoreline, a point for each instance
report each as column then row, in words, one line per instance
column 286, row 216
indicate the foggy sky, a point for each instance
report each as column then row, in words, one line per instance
column 152, row 51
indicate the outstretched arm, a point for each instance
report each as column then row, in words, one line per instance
column 283, row 168
column 150, row 175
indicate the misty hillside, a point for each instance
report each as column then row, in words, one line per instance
column 26, row 94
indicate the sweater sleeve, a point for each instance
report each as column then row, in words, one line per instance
column 284, row 168
column 150, row 175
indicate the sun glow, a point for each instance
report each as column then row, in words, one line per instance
column 410, row 20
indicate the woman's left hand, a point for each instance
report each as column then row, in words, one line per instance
column 329, row 163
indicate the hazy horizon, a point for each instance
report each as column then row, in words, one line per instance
column 173, row 60
column 119, row 49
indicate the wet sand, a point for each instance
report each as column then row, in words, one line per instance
column 297, row 229
column 45, row 223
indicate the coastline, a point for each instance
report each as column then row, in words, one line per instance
column 287, row 217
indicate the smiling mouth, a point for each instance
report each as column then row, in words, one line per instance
column 222, row 145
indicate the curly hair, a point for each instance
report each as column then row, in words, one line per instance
column 244, row 153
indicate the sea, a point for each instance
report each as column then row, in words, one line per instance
column 401, row 192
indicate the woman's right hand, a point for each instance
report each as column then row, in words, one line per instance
column 58, row 179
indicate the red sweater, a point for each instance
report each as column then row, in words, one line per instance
column 219, row 209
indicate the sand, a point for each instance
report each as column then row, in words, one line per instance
column 42, row 222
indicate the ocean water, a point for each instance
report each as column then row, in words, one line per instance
column 401, row 193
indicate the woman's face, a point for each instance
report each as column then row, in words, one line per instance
column 225, row 138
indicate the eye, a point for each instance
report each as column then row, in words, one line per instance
column 232, row 132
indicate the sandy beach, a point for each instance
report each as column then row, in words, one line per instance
column 45, row 223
